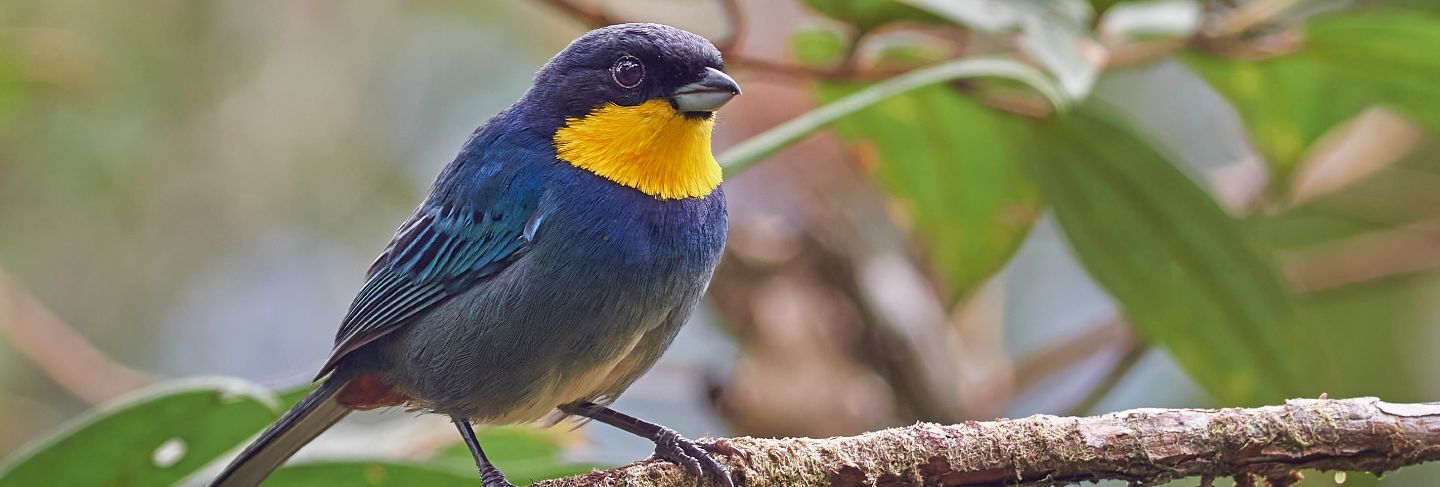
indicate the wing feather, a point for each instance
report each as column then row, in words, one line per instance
column 440, row 252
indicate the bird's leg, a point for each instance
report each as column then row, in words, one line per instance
column 489, row 475
column 669, row 445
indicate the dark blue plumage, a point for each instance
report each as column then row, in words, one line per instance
column 604, row 265
column 482, row 211
column 524, row 283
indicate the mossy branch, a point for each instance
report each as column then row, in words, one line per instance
column 1144, row 446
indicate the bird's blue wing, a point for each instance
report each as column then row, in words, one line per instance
column 441, row 251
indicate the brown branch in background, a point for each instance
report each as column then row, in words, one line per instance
column 59, row 351
column 1221, row 37
column 883, row 347
column 1135, row 53
column 729, row 47
column 1411, row 249
column 1248, row 16
column 1062, row 356
column 592, row 18
column 1134, row 350
column 1113, row 334
column 598, row 18
column 767, row 67
column 737, row 26
column 1143, row 446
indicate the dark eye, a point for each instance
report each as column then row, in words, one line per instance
column 628, row 72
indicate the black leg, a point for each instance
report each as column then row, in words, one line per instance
column 489, row 475
column 669, row 445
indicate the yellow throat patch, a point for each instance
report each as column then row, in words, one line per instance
column 649, row 147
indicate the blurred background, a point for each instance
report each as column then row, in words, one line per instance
column 1242, row 205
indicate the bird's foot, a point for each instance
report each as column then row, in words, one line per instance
column 672, row 447
column 489, row 475
column 493, row 478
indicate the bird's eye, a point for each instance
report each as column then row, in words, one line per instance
column 628, row 72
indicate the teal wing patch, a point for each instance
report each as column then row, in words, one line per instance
column 438, row 253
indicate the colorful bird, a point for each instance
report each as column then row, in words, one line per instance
column 552, row 261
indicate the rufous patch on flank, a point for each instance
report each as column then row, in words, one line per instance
column 365, row 391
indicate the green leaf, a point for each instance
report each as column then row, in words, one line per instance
column 328, row 474
column 972, row 231
column 1180, row 268
column 900, row 52
column 1103, row 5
column 288, row 399
column 954, row 164
column 1394, row 55
column 524, row 453
column 1426, row 5
column 757, row 148
column 1385, row 201
column 195, row 421
column 996, row 17
column 1287, row 103
column 817, row 47
column 1349, row 62
column 869, row 14
column 1368, row 331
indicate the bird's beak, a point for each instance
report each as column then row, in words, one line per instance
column 706, row 95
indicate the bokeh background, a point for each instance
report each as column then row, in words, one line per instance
column 1243, row 206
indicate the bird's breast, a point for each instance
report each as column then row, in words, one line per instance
column 616, row 234
column 619, row 276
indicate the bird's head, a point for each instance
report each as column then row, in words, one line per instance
column 635, row 104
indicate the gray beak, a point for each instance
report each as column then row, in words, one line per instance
column 706, row 95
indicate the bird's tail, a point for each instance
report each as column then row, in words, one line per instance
column 311, row 416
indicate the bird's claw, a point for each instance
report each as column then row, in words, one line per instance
column 694, row 458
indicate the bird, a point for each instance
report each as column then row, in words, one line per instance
column 549, row 265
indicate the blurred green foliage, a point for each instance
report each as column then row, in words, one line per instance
column 1185, row 273
column 165, row 434
column 524, row 453
column 126, row 443
column 1188, row 276
column 818, row 47
column 869, row 14
column 377, row 473
column 970, row 166
column 1347, row 63
column 971, row 212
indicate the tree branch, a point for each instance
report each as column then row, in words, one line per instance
column 592, row 18
column 59, row 351
column 1141, row 445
